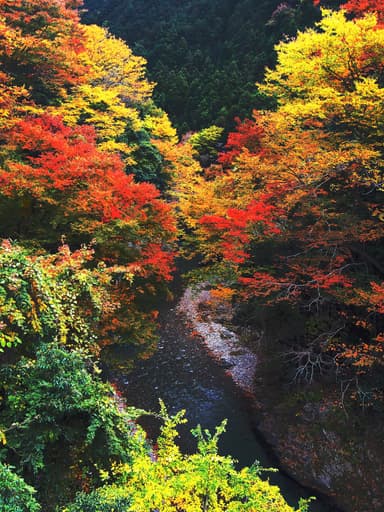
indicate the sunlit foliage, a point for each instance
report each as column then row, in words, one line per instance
column 294, row 211
column 168, row 480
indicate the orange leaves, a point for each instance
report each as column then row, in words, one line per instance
column 260, row 284
column 332, row 280
column 41, row 48
column 291, row 211
column 366, row 354
column 376, row 298
column 363, row 356
column 221, row 294
column 74, row 101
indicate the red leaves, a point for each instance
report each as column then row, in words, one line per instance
column 361, row 7
column 56, row 158
column 235, row 228
column 61, row 167
column 56, row 182
column 260, row 284
column 157, row 261
column 248, row 135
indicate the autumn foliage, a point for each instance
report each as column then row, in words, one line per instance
column 248, row 135
column 361, row 7
column 60, row 175
column 288, row 217
column 294, row 210
column 40, row 45
column 74, row 100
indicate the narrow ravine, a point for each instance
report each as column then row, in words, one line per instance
column 184, row 375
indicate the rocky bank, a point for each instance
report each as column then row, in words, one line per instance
column 336, row 451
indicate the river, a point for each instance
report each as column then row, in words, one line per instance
column 184, row 376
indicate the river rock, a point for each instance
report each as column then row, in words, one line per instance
column 222, row 342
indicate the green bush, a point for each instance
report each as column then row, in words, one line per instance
column 62, row 421
column 15, row 494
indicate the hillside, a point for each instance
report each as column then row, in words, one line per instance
column 205, row 55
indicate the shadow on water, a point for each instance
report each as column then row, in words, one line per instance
column 184, row 376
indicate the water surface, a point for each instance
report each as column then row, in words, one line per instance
column 184, row 376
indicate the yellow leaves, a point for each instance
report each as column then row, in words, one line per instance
column 9, row 37
column 332, row 75
column 364, row 107
column 159, row 125
column 104, row 110
column 336, row 55
column 163, row 136
column 167, row 480
column 35, row 321
column 114, row 67
column 13, row 102
column 118, row 77
column 112, row 97
column 101, row 108
column 125, row 150
column 360, row 112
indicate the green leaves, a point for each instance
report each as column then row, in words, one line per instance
column 206, row 141
column 49, row 298
column 15, row 494
column 55, row 404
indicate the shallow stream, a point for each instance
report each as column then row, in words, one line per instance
column 184, row 376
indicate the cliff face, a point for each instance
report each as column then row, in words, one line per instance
column 325, row 444
column 338, row 452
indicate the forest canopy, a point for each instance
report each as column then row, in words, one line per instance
column 205, row 55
